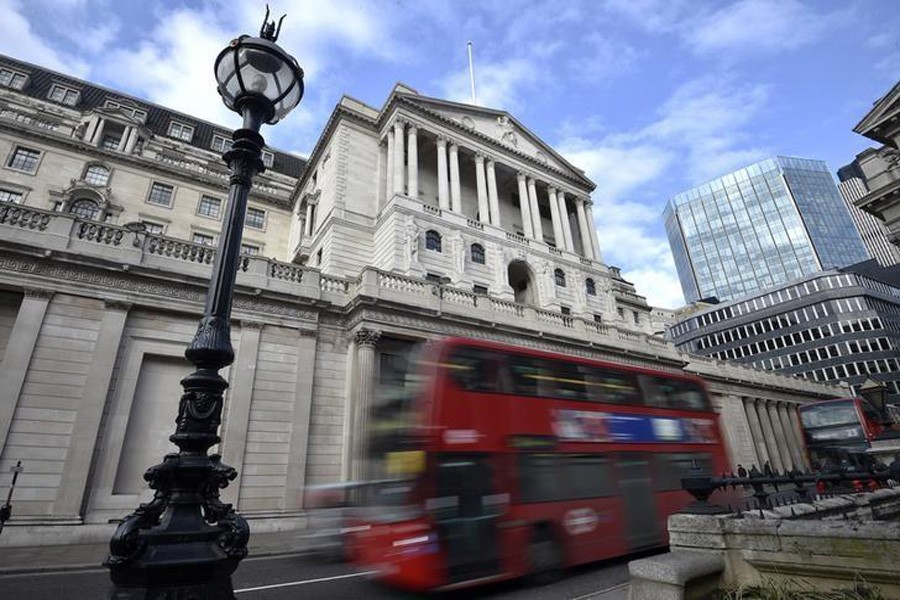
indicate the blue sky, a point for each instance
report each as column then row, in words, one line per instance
column 649, row 97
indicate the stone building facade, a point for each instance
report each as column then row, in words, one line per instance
column 421, row 219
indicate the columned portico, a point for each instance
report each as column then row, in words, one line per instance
column 455, row 198
column 589, row 211
column 762, row 452
column 768, row 434
column 443, row 181
column 564, row 221
column 412, row 185
column 398, row 157
column 554, row 216
column 587, row 248
column 493, row 201
column 781, row 441
column 536, row 226
column 481, row 189
column 791, row 440
column 524, row 203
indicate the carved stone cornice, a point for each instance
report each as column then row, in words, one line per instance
column 39, row 293
column 119, row 305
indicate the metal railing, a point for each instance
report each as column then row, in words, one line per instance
column 770, row 489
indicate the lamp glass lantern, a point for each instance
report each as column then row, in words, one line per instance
column 256, row 70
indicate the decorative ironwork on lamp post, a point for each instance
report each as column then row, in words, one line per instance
column 186, row 542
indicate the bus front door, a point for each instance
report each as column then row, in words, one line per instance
column 642, row 528
column 466, row 518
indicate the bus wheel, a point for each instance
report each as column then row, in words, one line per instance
column 545, row 558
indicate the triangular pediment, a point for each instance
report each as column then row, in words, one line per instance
column 500, row 127
column 882, row 116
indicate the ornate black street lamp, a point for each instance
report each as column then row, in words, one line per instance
column 186, row 543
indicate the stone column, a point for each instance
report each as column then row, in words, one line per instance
column 787, row 427
column 389, row 172
column 97, row 139
column 73, row 481
column 564, row 221
column 589, row 210
column 536, row 224
column 736, row 427
column 481, row 189
column 398, row 156
column 769, row 435
column 762, row 453
column 412, row 148
column 493, row 201
column 781, row 441
column 554, row 218
column 523, row 206
column 455, row 198
column 364, row 391
column 14, row 367
column 442, row 183
column 123, row 142
column 296, row 474
column 587, row 249
column 240, row 395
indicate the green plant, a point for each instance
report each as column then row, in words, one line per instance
column 786, row 589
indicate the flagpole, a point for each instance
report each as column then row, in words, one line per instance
column 471, row 71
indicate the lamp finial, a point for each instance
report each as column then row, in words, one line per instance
column 269, row 31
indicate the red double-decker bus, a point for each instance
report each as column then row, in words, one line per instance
column 839, row 429
column 521, row 462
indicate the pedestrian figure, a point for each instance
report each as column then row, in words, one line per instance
column 767, row 469
column 742, row 472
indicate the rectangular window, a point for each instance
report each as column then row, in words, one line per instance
column 209, row 206
column 256, row 218
column 110, row 142
column 220, row 143
column 137, row 113
column 161, row 194
column 598, row 318
column 63, row 94
column 554, row 477
column 24, row 159
column 181, row 131
column 202, row 238
column 480, row 289
column 250, row 249
column 565, row 310
column 10, row 196
column 12, row 79
column 268, row 159
column 153, row 228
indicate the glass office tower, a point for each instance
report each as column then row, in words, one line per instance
column 758, row 227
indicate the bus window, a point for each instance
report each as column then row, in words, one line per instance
column 474, row 370
column 525, row 375
column 612, row 387
column 670, row 468
column 564, row 380
column 554, row 477
column 662, row 392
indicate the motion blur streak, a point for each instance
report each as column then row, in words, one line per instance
column 304, row 582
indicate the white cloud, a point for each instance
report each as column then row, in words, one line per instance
column 758, row 27
column 700, row 132
column 497, row 85
column 18, row 38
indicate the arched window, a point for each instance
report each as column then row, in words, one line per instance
column 477, row 251
column 85, row 209
column 590, row 287
column 560, row 277
column 432, row 240
column 96, row 175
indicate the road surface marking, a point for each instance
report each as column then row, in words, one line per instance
column 597, row 593
column 304, row 582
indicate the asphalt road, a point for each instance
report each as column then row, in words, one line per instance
column 304, row 577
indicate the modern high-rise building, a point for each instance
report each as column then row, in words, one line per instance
column 759, row 227
column 853, row 187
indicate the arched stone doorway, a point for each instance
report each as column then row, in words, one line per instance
column 521, row 279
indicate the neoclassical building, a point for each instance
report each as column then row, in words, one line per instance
column 419, row 219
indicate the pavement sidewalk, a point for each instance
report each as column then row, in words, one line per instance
column 78, row 557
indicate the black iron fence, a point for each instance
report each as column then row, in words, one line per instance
column 771, row 489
